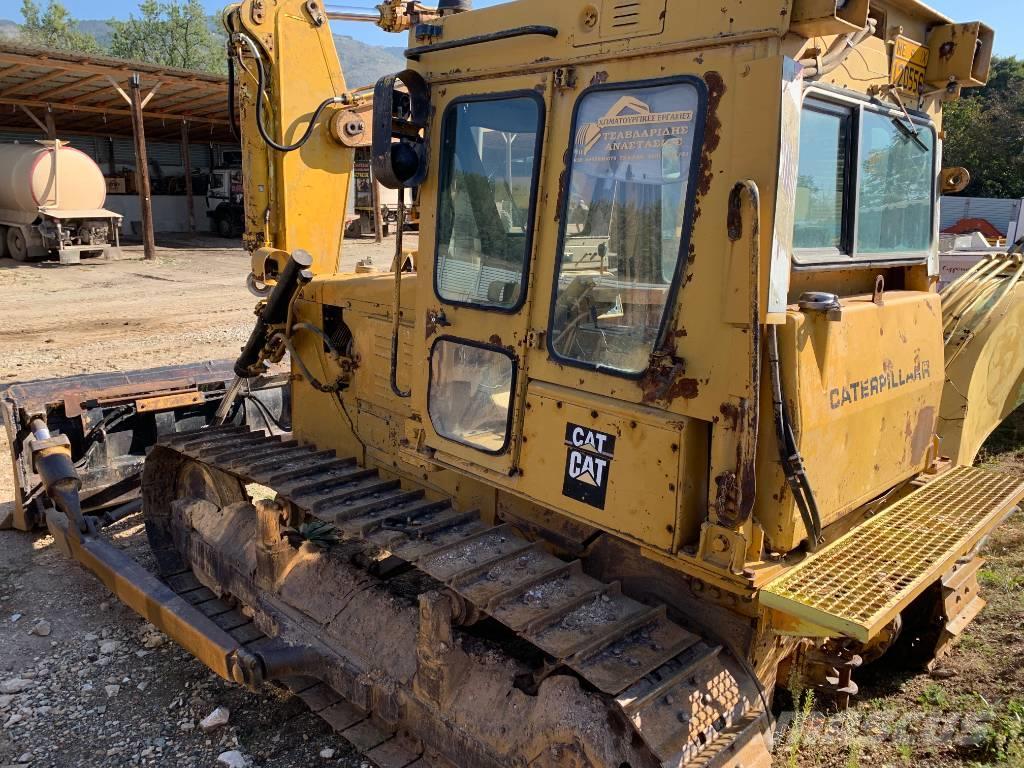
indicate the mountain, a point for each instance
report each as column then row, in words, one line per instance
column 363, row 64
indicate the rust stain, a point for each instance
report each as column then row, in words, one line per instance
column 599, row 78
column 562, row 190
column 495, row 339
column 731, row 413
column 947, row 49
column 712, row 130
column 665, row 380
column 431, row 322
column 921, row 438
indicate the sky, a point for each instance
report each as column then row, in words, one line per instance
column 1005, row 16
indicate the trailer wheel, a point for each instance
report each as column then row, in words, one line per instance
column 17, row 245
column 3, row 242
column 224, row 228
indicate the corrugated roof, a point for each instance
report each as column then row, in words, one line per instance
column 78, row 89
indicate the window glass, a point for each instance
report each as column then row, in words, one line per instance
column 624, row 227
column 470, row 394
column 489, row 163
column 821, row 180
column 894, row 207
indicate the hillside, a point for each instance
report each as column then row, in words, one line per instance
column 363, row 64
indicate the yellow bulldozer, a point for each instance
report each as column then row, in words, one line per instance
column 665, row 413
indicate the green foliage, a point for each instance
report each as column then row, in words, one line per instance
column 53, row 27
column 1003, row 739
column 985, row 133
column 933, row 696
column 317, row 532
column 173, row 34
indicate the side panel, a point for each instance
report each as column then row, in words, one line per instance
column 864, row 392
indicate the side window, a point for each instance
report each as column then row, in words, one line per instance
column 894, row 208
column 489, row 165
column 626, row 225
column 823, row 179
column 470, row 394
column 865, row 190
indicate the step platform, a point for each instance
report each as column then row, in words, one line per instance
column 858, row 584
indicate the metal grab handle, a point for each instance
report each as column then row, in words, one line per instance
column 750, row 407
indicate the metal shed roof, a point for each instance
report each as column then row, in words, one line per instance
column 79, row 90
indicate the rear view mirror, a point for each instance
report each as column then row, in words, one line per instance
column 399, row 122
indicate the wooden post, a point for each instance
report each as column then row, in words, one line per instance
column 51, row 125
column 187, row 156
column 142, row 170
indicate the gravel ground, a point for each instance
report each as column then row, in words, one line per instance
column 83, row 680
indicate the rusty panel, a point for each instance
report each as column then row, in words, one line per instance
column 638, row 475
column 169, row 402
column 865, row 394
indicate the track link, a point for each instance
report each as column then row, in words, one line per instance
column 667, row 681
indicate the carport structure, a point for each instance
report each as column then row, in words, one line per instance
column 50, row 91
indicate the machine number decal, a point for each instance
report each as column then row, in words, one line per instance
column 588, row 464
column 909, row 65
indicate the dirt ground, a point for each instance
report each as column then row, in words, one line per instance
column 100, row 688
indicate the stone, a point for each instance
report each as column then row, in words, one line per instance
column 112, row 690
column 41, row 628
column 328, row 754
column 233, row 759
column 15, row 617
column 13, row 720
column 108, row 647
column 153, row 640
column 15, row 685
column 26, row 757
column 215, row 719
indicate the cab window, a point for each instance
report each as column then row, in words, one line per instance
column 490, row 160
column 865, row 189
column 626, row 222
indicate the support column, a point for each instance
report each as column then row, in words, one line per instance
column 187, row 157
column 142, row 169
column 51, row 125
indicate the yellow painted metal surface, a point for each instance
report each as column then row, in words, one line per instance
column 864, row 389
column 865, row 393
column 861, row 582
column 983, row 319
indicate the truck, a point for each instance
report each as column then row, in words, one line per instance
column 51, row 204
column 668, row 415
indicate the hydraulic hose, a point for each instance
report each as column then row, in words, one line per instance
column 261, row 78
column 837, row 52
column 789, row 454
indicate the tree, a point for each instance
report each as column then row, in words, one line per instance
column 985, row 133
column 54, row 28
column 174, row 34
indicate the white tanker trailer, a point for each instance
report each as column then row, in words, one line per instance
column 51, row 204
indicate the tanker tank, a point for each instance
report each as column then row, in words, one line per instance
column 51, row 204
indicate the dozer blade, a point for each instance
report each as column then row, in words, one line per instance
column 860, row 583
column 112, row 419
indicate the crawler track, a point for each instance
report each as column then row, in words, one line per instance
column 688, row 699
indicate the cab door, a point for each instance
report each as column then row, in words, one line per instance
column 476, row 267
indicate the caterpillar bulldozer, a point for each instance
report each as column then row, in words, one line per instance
column 665, row 413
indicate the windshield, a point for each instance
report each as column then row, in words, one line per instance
column 489, row 167
column 625, row 224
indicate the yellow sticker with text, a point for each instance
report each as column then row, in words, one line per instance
column 909, row 65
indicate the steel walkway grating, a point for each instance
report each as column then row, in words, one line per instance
column 858, row 583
